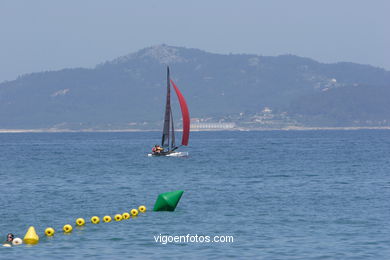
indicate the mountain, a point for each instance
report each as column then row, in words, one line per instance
column 129, row 92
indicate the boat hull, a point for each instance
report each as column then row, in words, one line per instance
column 172, row 154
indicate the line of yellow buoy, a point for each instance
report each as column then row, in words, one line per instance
column 31, row 236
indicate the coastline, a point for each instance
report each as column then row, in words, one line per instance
column 238, row 129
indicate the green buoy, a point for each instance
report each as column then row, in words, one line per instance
column 167, row 201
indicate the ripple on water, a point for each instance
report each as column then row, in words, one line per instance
column 282, row 195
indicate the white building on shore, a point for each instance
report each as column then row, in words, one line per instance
column 214, row 126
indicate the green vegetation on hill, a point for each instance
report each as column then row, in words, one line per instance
column 129, row 92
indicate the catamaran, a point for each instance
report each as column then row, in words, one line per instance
column 168, row 146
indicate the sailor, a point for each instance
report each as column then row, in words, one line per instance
column 154, row 149
column 157, row 149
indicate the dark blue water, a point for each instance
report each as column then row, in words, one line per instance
column 281, row 195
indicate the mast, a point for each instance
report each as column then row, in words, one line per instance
column 168, row 114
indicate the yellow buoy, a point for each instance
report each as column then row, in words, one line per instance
column 118, row 217
column 67, row 228
column 80, row 222
column 31, row 237
column 17, row 241
column 95, row 220
column 142, row 209
column 7, row 245
column 125, row 215
column 107, row 219
column 134, row 212
column 49, row 231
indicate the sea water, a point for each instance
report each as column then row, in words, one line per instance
column 279, row 194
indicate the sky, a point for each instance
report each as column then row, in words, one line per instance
column 44, row 35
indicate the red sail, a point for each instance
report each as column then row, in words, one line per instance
column 185, row 114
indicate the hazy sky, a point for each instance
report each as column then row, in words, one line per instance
column 49, row 35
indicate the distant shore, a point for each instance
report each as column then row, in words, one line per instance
column 55, row 130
